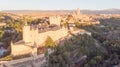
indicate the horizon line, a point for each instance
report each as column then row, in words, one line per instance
column 52, row 9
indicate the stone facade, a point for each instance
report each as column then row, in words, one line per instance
column 20, row 48
column 32, row 34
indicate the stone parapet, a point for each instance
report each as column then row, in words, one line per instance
column 36, row 61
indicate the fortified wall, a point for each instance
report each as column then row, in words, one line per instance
column 21, row 47
column 55, row 35
column 38, row 61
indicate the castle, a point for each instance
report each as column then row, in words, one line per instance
column 34, row 36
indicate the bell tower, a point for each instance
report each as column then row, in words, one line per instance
column 78, row 11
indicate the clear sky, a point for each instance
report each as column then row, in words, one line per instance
column 58, row 4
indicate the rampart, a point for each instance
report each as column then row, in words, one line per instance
column 37, row 61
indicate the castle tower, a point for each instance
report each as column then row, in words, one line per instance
column 34, row 33
column 30, row 33
column 26, row 33
column 78, row 11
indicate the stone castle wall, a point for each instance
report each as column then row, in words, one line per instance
column 37, row 61
column 21, row 48
column 55, row 35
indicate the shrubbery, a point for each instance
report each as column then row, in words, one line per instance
column 49, row 43
column 72, row 51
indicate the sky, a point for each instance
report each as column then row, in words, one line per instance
column 58, row 4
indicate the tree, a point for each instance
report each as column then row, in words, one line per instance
column 74, row 49
column 1, row 33
column 49, row 43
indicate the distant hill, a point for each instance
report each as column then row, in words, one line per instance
column 106, row 11
column 60, row 12
column 38, row 13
